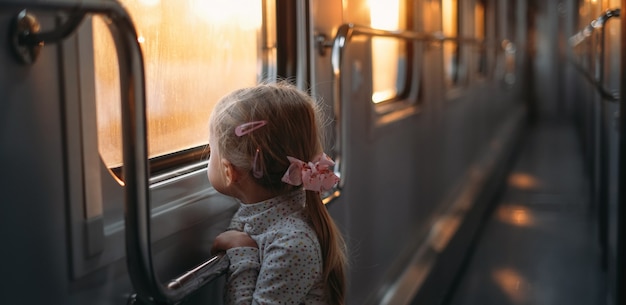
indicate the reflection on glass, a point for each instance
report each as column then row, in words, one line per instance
column 480, row 34
column 449, row 9
column 195, row 51
column 389, row 55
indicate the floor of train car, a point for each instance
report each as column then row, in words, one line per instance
column 540, row 243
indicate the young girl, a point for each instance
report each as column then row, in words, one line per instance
column 283, row 245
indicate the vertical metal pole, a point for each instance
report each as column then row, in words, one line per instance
column 621, row 201
column 601, row 193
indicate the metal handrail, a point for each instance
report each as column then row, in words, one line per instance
column 606, row 94
column 399, row 34
column 344, row 33
column 135, row 170
column 576, row 39
column 597, row 23
column 195, row 278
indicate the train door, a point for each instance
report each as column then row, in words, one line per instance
column 375, row 99
column 77, row 140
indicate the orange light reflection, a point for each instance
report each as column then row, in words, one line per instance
column 512, row 284
column 515, row 215
column 523, row 181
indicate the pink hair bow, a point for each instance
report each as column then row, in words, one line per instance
column 316, row 175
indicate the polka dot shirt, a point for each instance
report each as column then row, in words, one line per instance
column 287, row 266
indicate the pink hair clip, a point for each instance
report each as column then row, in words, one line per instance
column 316, row 175
column 249, row 127
column 256, row 171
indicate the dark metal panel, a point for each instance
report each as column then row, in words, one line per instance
column 621, row 217
column 32, row 197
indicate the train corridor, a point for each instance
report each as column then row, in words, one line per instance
column 540, row 244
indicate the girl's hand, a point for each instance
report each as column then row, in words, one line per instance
column 232, row 239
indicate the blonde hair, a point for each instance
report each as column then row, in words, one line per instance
column 292, row 130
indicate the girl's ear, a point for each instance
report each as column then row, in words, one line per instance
column 230, row 173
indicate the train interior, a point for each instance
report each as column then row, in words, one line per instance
column 480, row 144
column 552, row 237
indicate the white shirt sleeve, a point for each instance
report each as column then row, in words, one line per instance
column 242, row 274
column 290, row 266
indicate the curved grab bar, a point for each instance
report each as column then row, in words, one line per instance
column 135, row 155
column 195, row 278
column 344, row 34
column 322, row 43
column 597, row 23
column 337, row 45
column 576, row 39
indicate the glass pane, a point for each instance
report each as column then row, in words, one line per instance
column 195, row 51
column 450, row 48
column 389, row 54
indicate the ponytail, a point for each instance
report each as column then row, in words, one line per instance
column 332, row 245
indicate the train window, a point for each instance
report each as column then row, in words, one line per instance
column 195, row 51
column 480, row 33
column 451, row 49
column 390, row 55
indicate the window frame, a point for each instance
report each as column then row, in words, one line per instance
column 409, row 99
column 481, row 53
column 179, row 186
column 454, row 80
